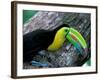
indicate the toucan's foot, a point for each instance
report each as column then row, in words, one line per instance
column 38, row 64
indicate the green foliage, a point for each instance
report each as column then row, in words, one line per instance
column 27, row 14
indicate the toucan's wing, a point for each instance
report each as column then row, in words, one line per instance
column 36, row 41
column 28, row 56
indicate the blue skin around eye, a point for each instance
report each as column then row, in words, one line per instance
column 35, row 63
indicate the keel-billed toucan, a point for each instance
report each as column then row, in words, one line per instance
column 51, row 40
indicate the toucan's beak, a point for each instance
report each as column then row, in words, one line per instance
column 76, row 39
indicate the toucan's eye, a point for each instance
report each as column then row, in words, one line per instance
column 66, row 30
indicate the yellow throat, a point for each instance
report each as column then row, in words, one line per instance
column 58, row 40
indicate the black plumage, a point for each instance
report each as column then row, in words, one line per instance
column 38, row 40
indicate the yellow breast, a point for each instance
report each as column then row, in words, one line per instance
column 58, row 40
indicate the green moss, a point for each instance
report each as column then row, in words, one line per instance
column 27, row 14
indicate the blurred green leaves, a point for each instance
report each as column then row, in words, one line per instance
column 27, row 14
